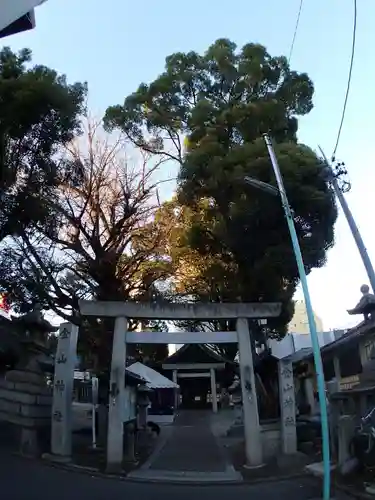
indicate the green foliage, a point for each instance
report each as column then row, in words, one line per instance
column 92, row 248
column 233, row 96
column 86, row 225
column 40, row 112
column 226, row 240
column 87, row 250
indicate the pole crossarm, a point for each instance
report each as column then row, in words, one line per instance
column 199, row 311
column 331, row 177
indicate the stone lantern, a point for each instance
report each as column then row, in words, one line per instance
column 143, row 402
column 25, row 397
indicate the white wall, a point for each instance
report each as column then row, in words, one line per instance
column 11, row 10
column 293, row 342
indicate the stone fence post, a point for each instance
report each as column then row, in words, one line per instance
column 66, row 357
column 346, row 427
column 287, row 407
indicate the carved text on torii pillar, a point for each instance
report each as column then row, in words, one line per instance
column 288, row 387
column 62, row 359
column 286, row 372
column 288, row 402
column 59, row 386
column 64, row 334
column 289, row 422
column 57, row 416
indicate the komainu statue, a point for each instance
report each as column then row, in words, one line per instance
column 366, row 305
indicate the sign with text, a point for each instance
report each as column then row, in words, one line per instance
column 61, row 443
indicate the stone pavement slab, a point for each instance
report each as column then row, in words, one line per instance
column 189, row 453
column 190, row 449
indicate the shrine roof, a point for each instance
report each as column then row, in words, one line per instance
column 194, row 353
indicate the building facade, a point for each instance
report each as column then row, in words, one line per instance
column 299, row 323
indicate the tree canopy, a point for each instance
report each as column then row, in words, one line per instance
column 81, row 219
column 92, row 247
column 208, row 113
column 40, row 112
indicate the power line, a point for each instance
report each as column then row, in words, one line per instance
column 349, row 79
column 295, row 31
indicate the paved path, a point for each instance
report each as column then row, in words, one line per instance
column 188, row 452
column 191, row 446
column 22, row 479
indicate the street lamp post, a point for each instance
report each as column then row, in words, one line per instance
column 280, row 190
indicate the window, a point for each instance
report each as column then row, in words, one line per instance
column 350, row 362
column 329, row 370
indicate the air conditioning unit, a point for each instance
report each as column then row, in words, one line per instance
column 17, row 16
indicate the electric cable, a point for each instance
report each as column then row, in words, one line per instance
column 295, row 31
column 349, row 80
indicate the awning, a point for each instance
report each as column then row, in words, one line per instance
column 155, row 380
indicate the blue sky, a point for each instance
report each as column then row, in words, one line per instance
column 116, row 44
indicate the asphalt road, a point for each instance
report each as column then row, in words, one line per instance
column 23, row 479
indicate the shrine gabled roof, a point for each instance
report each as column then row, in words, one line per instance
column 194, row 353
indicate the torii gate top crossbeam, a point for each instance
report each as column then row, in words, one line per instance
column 199, row 311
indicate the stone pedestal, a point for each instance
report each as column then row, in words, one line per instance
column 143, row 402
column 102, row 424
column 129, row 452
column 142, row 415
column 346, row 426
column 25, row 402
column 287, row 407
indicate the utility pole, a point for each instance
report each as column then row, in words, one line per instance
column 311, row 319
column 333, row 177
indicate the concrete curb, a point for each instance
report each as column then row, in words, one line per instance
column 347, row 490
column 90, row 471
column 275, row 479
column 186, row 481
column 354, row 494
column 143, row 480
column 173, row 481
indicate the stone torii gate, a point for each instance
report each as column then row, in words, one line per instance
column 121, row 311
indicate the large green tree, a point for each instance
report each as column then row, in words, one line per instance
column 208, row 113
column 39, row 113
column 93, row 247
